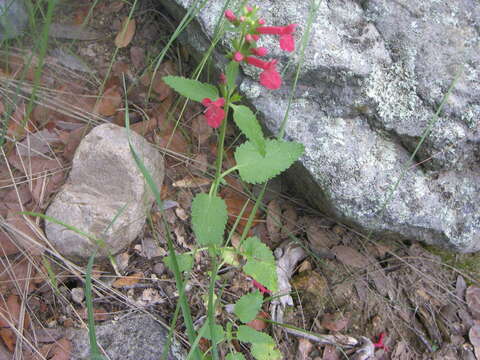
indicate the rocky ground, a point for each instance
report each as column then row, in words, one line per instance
column 410, row 301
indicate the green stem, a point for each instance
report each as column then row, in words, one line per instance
column 211, row 303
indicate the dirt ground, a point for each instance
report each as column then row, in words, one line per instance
column 414, row 302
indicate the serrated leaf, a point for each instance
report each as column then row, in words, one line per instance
column 264, row 273
column 248, row 306
column 247, row 122
column 192, row 89
column 260, row 263
column 231, row 73
column 265, row 352
column 247, row 334
column 235, row 356
column 254, row 248
column 218, row 333
column 279, row 156
column 209, row 217
column 184, row 261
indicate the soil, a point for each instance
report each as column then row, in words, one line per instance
column 411, row 296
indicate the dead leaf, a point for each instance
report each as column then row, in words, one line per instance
column 17, row 274
column 109, row 102
column 305, row 347
column 274, row 220
column 62, row 350
column 10, row 311
column 192, row 182
column 129, row 280
column 137, row 55
column 8, row 246
column 334, row 322
column 145, row 127
column 349, row 256
column 289, row 220
column 115, row 6
column 173, row 141
column 37, row 143
column 330, row 352
column 99, row 314
column 257, row 323
column 125, row 35
column 26, row 233
column 155, row 79
column 19, row 125
column 474, row 335
column 473, row 301
column 74, row 139
column 200, row 129
column 235, row 203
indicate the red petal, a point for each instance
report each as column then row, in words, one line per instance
column 271, row 30
column 287, row 43
column 214, row 116
column 206, row 101
column 271, row 79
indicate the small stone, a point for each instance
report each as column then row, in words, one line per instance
column 105, row 196
column 159, row 268
column 77, row 294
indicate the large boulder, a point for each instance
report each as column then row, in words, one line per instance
column 13, row 18
column 375, row 73
column 132, row 337
column 106, row 195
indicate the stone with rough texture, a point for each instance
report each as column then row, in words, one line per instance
column 106, row 195
column 375, row 73
column 13, row 18
column 133, row 337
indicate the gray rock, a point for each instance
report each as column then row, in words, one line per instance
column 374, row 75
column 106, row 195
column 13, row 18
column 134, row 337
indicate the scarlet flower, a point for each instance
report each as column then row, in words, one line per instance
column 249, row 38
column 238, row 56
column 379, row 344
column 260, row 51
column 214, row 112
column 269, row 78
column 230, row 15
column 222, row 79
column 260, row 287
column 287, row 42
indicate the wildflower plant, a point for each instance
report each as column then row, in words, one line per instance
column 258, row 160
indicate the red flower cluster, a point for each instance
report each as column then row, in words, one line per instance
column 269, row 78
column 214, row 112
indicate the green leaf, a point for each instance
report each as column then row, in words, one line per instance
column 254, row 248
column 248, row 306
column 231, row 73
column 247, row 334
column 229, row 256
column 260, row 263
column 184, row 261
column 209, row 217
column 249, row 125
column 235, row 356
column 192, row 89
column 218, row 332
column 279, row 156
column 265, row 352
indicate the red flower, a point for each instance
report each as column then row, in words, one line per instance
column 287, row 42
column 230, row 15
column 260, row 287
column 260, row 51
column 380, row 344
column 238, row 56
column 214, row 112
column 269, row 78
